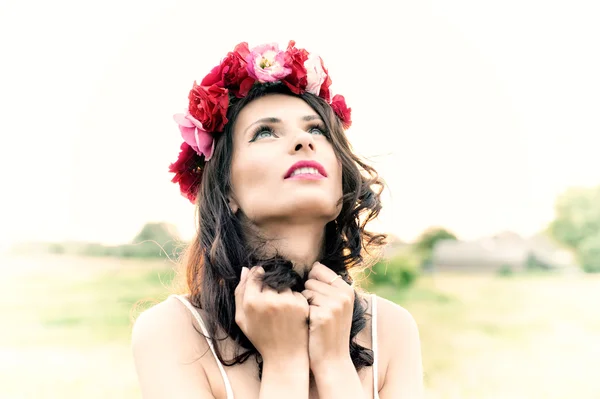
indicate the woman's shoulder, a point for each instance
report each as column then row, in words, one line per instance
column 393, row 321
column 388, row 312
column 168, row 354
column 168, row 323
column 392, row 314
column 399, row 347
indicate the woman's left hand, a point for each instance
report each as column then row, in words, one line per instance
column 331, row 302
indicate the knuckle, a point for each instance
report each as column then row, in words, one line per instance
column 251, row 305
column 269, row 305
column 348, row 300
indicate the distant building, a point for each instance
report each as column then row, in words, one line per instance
column 506, row 250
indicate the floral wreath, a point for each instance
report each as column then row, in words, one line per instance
column 237, row 73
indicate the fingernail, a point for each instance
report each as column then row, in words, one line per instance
column 244, row 272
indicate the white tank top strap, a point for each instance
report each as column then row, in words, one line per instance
column 196, row 315
column 374, row 345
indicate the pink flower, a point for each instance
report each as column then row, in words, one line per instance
column 266, row 63
column 315, row 74
column 194, row 135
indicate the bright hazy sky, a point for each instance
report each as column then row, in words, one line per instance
column 476, row 113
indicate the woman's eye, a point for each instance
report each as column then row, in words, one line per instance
column 317, row 130
column 263, row 133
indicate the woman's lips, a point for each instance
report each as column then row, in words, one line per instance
column 306, row 164
column 306, row 176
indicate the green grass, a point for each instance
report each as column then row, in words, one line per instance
column 68, row 323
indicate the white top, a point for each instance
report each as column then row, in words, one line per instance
column 193, row 310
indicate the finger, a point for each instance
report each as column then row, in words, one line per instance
column 243, row 278
column 241, row 287
column 271, row 294
column 300, row 298
column 320, row 287
column 253, row 283
column 315, row 298
column 308, row 295
column 322, row 273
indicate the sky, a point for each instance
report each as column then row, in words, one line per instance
column 477, row 114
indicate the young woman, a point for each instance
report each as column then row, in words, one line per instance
column 282, row 203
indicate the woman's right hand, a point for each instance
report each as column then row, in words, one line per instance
column 275, row 322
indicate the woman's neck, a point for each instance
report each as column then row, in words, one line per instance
column 301, row 244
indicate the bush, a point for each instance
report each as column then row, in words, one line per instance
column 589, row 254
column 505, row 271
column 401, row 270
column 92, row 249
column 154, row 240
column 146, row 249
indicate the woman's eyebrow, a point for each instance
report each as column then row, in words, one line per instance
column 309, row 118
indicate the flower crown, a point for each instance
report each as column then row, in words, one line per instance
column 239, row 71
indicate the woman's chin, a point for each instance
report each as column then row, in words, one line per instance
column 299, row 209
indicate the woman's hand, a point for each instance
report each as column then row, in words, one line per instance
column 331, row 302
column 274, row 322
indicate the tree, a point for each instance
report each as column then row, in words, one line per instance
column 589, row 253
column 427, row 240
column 154, row 240
column 577, row 224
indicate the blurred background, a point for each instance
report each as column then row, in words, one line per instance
column 481, row 116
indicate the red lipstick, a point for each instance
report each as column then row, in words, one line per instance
column 306, row 164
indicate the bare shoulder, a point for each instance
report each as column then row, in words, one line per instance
column 169, row 352
column 168, row 323
column 399, row 342
column 393, row 318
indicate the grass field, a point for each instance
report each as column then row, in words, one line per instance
column 66, row 324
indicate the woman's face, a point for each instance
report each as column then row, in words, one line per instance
column 273, row 136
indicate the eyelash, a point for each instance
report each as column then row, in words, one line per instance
column 266, row 128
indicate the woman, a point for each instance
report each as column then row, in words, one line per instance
column 282, row 205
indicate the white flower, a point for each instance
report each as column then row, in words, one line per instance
column 315, row 74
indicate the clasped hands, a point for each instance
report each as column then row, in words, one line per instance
column 291, row 325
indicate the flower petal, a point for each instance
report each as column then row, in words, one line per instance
column 206, row 143
column 182, row 120
column 189, row 136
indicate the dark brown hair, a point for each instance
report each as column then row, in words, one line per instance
column 215, row 258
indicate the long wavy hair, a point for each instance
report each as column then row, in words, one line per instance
column 214, row 259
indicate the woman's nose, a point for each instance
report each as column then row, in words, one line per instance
column 304, row 141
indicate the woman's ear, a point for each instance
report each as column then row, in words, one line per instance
column 233, row 205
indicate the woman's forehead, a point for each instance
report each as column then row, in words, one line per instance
column 279, row 106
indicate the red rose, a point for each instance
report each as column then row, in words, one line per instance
column 209, row 105
column 294, row 59
column 188, row 172
column 324, row 93
column 338, row 104
column 232, row 73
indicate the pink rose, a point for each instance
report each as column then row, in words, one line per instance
column 315, row 74
column 266, row 63
column 194, row 135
